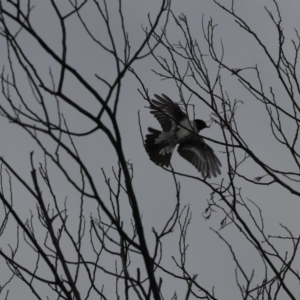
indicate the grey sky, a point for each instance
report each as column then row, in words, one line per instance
column 208, row 256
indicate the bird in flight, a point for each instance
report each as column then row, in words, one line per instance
column 178, row 129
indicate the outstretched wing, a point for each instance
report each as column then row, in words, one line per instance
column 166, row 112
column 202, row 156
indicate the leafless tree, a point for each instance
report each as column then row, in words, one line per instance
column 106, row 231
column 197, row 71
column 106, row 249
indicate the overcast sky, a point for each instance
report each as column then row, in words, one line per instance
column 208, row 256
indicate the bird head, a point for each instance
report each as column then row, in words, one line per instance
column 200, row 124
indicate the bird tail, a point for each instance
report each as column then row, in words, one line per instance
column 158, row 150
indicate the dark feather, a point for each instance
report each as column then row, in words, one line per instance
column 202, row 156
column 166, row 112
column 153, row 148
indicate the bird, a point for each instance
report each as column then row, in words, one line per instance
column 178, row 129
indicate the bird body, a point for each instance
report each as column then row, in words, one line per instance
column 178, row 129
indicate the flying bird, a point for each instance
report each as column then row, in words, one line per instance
column 178, row 129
